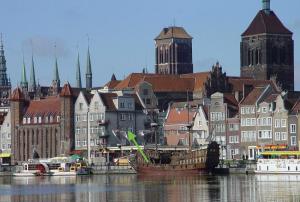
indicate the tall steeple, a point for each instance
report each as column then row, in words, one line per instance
column 88, row 74
column 3, row 76
column 56, row 81
column 78, row 74
column 266, row 6
column 32, row 82
column 24, row 83
column 56, row 74
column 267, row 49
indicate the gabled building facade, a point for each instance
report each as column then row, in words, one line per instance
column 44, row 127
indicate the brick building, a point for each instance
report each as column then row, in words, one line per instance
column 44, row 126
column 267, row 49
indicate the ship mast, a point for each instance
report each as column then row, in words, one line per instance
column 188, row 120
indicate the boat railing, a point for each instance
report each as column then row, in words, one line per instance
column 276, row 161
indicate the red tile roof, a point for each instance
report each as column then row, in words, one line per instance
column 253, row 96
column 17, row 94
column 66, row 91
column 47, row 106
column 180, row 116
column 266, row 23
column 166, row 83
column 237, row 83
column 112, row 84
column 173, row 32
column 170, row 83
column 200, row 79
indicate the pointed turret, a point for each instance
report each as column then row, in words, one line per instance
column 56, row 81
column 24, row 83
column 3, row 75
column 32, row 82
column 88, row 74
column 78, row 74
column 56, row 74
column 113, row 77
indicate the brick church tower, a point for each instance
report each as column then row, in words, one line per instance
column 267, row 49
column 173, row 51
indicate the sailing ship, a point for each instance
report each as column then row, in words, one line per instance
column 178, row 162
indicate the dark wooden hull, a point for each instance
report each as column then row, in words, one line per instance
column 160, row 169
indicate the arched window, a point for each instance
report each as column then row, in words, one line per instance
column 249, row 58
column 256, row 56
column 161, row 55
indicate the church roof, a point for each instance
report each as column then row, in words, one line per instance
column 166, row 83
column 237, row 83
column 253, row 96
column 43, row 107
column 173, row 32
column 17, row 95
column 66, row 91
column 112, row 84
column 265, row 23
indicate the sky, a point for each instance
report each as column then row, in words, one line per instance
column 121, row 34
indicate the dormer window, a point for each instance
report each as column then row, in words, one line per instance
column 24, row 120
column 28, row 120
column 58, row 118
column 35, row 119
column 46, row 119
column 40, row 119
column 51, row 119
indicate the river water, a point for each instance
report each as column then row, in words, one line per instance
column 120, row 188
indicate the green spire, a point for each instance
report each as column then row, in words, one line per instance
column 32, row 82
column 88, row 74
column 24, row 83
column 88, row 64
column 78, row 74
column 56, row 74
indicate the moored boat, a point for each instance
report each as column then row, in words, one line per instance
column 58, row 166
column 175, row 162
column 278, row 162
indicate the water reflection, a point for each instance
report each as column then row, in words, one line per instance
column 151, row 188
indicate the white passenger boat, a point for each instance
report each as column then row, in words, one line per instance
column 278, row 162
column 58, row 166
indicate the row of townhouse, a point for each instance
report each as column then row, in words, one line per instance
column 263, row 119
column 106, row 118
column 268, row 119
